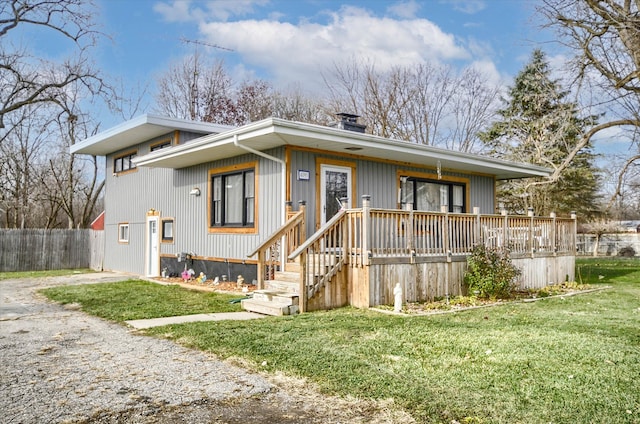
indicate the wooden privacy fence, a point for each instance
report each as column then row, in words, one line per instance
column 40, row 249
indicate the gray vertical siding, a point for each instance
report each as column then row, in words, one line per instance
column 129, row 196
column 377, row 179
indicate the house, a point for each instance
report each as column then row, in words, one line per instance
column 204, row 196
column 98, row 223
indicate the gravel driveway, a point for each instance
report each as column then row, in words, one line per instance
column 61, row 365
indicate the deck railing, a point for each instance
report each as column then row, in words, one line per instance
column 398, row 233
column 364, row 236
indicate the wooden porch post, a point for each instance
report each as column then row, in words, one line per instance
column 302, row 289
column 505, row 228
column 478, row 230
column 553, row 234
column 446, row 247
column 303, row 228
column 262, row 258
column 531, row 245
column 366, row 205
column 574, row 236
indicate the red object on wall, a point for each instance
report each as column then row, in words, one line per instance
column 98, row 223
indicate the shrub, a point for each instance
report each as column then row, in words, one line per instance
column 627, row 252
column 490, row 273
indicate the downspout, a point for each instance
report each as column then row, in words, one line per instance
column 283, row 187
column 283, row 182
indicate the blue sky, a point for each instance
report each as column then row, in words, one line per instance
column 291, row 42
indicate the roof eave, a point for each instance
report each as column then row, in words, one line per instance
column 303, row 135
column 138, row 130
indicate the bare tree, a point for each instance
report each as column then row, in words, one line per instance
column 22, row 165
column 26, row 79
column 294, row 105
column 73, row 180
column 41, row 184
column 424, row 104
column 473, row 107
column 196, row 89
column 605, row 37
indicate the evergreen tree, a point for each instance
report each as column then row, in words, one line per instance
column 539, row 125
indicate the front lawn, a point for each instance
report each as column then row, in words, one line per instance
column 136, row 299
column 560, row 360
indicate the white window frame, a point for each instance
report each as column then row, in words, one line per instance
column 123, row 233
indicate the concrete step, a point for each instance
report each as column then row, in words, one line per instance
column 279, row 297
column 268, row 308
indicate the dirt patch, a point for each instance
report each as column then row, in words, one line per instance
column 463, row 303
column 210, row 285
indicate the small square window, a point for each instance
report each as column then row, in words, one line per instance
column 167, row 230
column 123, row 233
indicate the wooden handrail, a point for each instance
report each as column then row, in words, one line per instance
column 293, row 232
column 317, row 235
column 295, row 220
column 321, row 257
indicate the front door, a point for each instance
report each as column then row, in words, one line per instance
column 152, row 259
column 335, row 183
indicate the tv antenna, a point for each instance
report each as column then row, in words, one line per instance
column 202, row 43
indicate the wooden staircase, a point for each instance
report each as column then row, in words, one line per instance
column 280, row 295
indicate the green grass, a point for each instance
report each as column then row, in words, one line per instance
column 557, row 360
column 135, row 299
column 40, row 274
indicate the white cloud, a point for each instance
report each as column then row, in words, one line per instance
column 404, row 9
column 200, row 11
column 177, row 11
column 299, row 52
column 467, row 6
column 489, row 70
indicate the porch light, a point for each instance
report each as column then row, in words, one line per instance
column 195, row 192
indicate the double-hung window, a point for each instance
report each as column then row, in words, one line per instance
column 233, row 198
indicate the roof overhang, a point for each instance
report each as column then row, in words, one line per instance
column 137, row 130
column 273, row 132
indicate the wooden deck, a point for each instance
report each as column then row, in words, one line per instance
column 359, row 256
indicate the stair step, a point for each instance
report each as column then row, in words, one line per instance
column 292, row 267
column 282, row 286
column 287, row 276
column 279, row 297
column 268, row 308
